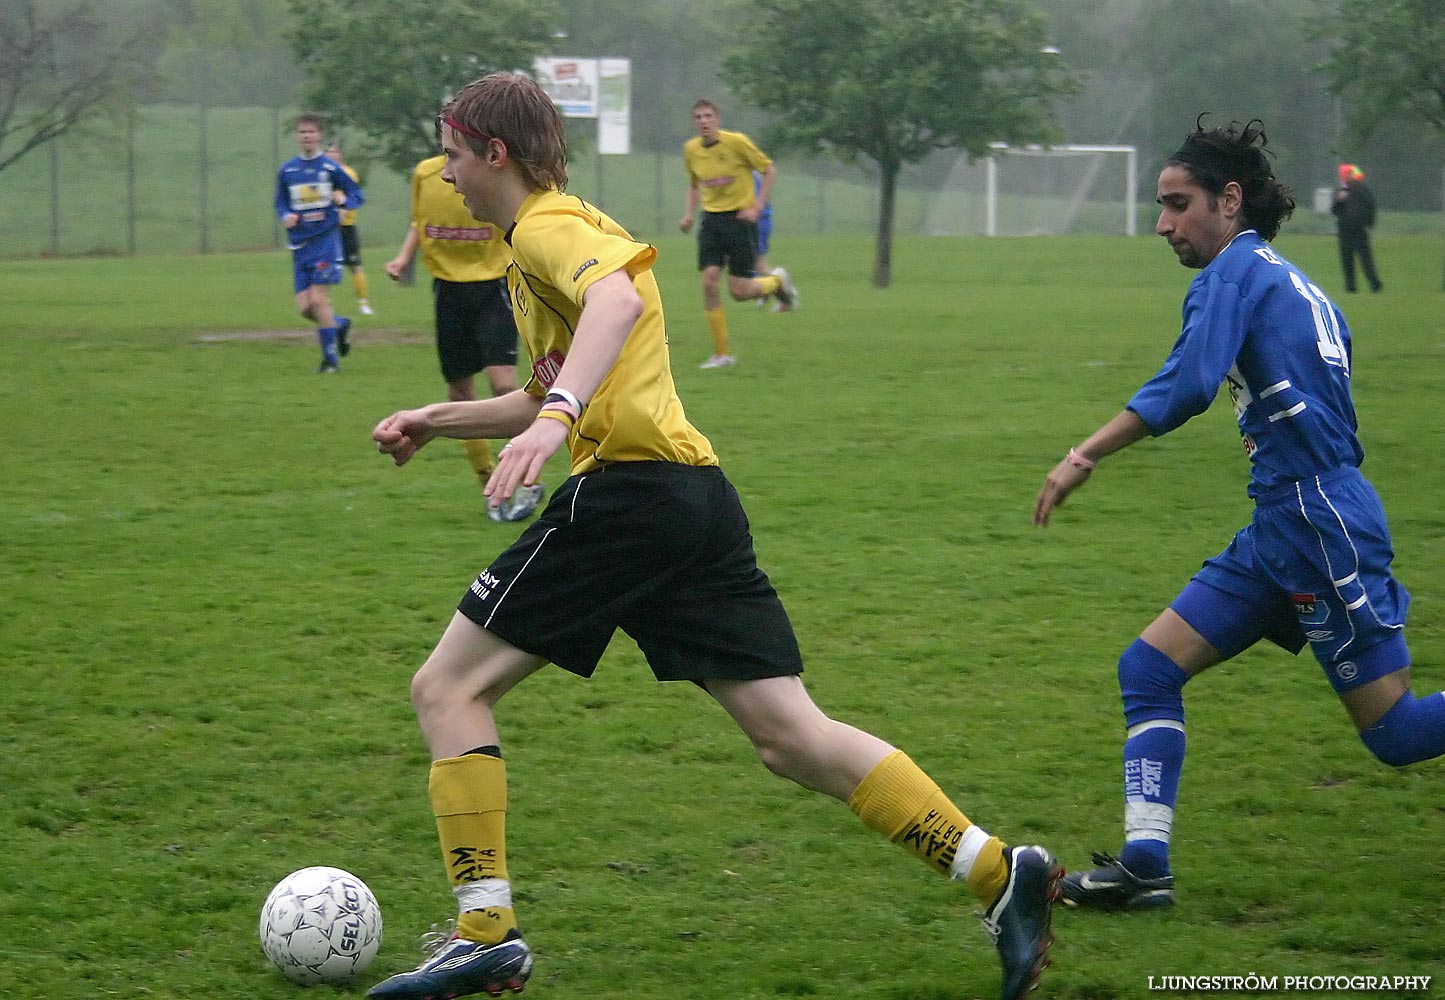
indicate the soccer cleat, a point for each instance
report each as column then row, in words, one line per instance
column 519, row 506
column 788, row 293
column 1018, row 921
column 343, row 334
column 364, row 308
column 459, row 968
column 719, row 361
column 1111, row 886
column 327, row 368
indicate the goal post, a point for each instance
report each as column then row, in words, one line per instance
column 1039, row 190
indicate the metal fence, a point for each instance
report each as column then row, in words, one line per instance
column 199, row 178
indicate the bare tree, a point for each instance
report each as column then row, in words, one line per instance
column 60, row 67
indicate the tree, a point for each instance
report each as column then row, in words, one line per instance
column 894, row 80
column 61, row 67
column 234, row 53
column 384, row 66
column 1388, row 53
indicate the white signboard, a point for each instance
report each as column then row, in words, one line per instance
column 571, row 83
column 614, row 122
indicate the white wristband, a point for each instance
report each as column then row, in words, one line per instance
column 569, row 397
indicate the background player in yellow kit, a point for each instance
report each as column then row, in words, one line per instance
column 475, row 331
column 720, row 167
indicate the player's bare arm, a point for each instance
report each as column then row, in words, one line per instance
column 610, row 309
column 1074, row 469
column 406, row 432
column 765, row 191
column 398, row 264
column 685, row 223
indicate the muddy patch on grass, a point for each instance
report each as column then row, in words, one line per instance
column 370, row 335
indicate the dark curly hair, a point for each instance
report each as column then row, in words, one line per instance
column 1234, row 152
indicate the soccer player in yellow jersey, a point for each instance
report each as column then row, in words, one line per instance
column 720, row 167
column 351, row 237
column 647, row 535
column 475, row 331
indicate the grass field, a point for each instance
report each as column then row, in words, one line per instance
column 217, row 592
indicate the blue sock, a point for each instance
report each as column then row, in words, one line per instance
column 327, row 336
column 1153, row 762
column 1152, row 686
column 1411, row 731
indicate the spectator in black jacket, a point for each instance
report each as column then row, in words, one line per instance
column 1354, row 211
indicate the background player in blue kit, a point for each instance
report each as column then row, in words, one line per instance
column 1313, row 564
column 309, row 190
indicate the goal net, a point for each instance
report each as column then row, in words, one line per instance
column 1039, row 191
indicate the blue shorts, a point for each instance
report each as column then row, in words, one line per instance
column 765, row 232
column 1312, row 567
column 317, row 261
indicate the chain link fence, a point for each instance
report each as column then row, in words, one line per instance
column 197, row 174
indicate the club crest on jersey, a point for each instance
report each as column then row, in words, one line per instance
column 1309, row 609
column 548, row 367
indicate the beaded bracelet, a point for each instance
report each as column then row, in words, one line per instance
column 1079, row 461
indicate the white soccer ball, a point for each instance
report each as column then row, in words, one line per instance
column 320, row 925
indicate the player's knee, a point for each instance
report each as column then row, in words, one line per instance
column 1152, row 685
column 425, row 691
column 435, row 687
column 1411, row 731
column 781, row 752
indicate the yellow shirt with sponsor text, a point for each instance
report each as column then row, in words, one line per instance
column 723, row 172
column 454, row 246
column 561, row 245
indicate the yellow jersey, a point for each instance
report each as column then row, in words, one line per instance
column 348, row 216
column 723, row 172
column 560, row 246
column 454, row 246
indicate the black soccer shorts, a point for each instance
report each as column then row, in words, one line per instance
column 724, row 239
column 659, row 550
column 474, row 324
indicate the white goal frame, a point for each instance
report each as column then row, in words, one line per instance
column 1131, row 183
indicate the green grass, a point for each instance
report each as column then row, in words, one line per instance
column 217, row 592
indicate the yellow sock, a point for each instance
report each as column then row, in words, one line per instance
column 479, row 453
column 905, row 805
column 359, row 277
column 717, row 323
column 769, row 283
column 469, row 799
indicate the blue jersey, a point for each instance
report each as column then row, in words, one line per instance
column 303, row 188
column 1253, row 321
column 766, row 215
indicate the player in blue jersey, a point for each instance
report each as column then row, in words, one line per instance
column 310, row 190
column 1313, row 564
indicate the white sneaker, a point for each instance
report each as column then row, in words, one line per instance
column 364, row 308
column 719, row 361
column 788, row 294
column 520, row 506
